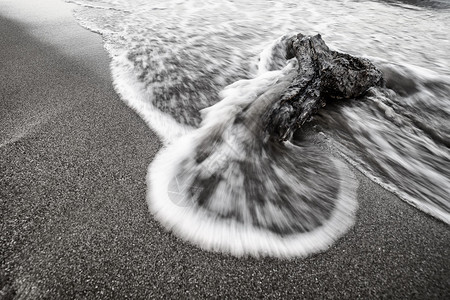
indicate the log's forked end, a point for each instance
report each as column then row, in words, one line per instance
column 322, row 75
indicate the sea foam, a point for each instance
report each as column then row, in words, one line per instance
column 201, row 72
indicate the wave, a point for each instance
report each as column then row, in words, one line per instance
column 202, row 80
column 226, row 189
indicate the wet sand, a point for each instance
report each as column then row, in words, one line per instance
column 75, row 223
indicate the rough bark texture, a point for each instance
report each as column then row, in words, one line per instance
column 323, row 75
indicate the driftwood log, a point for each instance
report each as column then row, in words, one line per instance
column 323, row 75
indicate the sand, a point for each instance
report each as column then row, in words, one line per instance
column 75, row 224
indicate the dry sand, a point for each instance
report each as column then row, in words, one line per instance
column 74, row 221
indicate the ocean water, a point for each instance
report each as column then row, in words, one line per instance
column 202, row 74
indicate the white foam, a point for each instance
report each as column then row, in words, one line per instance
column 112, row 5
column 227, row 236
column 135, row 95
column 222, row 38
column 211, row 232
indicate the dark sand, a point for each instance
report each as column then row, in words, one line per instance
column 75, row 224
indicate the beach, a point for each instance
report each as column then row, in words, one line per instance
column 75, row 222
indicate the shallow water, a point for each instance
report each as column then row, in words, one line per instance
column 202, row 73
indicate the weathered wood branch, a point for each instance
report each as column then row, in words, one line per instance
column 323, row 75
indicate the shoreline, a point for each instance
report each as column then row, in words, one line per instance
column 75, row 222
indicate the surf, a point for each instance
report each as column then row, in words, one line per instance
column 193, row 76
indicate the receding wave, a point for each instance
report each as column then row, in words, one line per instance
column 203, row 79
column 225, row 188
